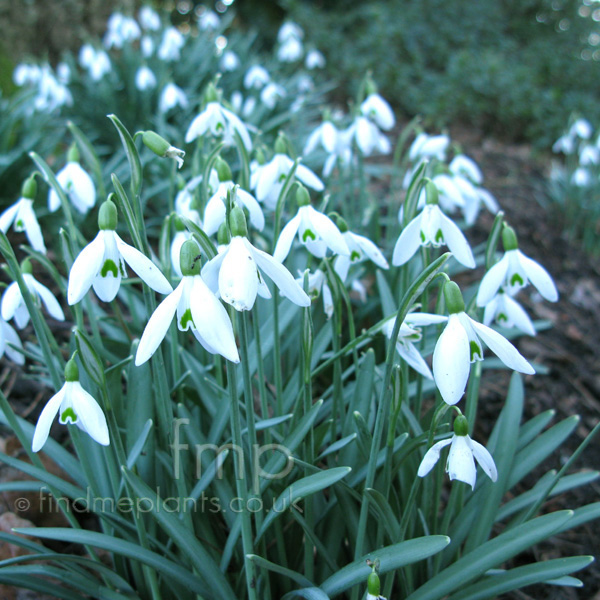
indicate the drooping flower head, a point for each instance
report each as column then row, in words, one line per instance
column 74, row 406
column 162, row 148
column 101, row 263
column 196, row 308
column 237, row 273
column 461, row 343
column 463, row 453
column 22, row 216
column 76, row 183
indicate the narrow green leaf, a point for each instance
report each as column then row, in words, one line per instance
column 308, row 593
column 301, row 489
column 336, row 446
column 263, row 563
column 132, row 154
column 493, row 239
column 386, row 513
column 390, row 559
column 89, row 358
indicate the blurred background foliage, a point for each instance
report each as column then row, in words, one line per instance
column 513, row 67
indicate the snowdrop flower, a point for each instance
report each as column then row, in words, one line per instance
column 304, row 84
column 22, row 216
column 426, row 146
column 368, row 137
column 324, row 135
column 185, row 197
column 256, row 77
column 76, row 183
column 461, row 460
column 221, row 123
column 432, row 227
column 101, row 263
column 342, row 154
column 289, row 30
column 589, row 155
column 171, row 44
column 9, row 336
column 315, row 231
column 267, row 180
column 513, row 272
column 215, row 211
column 121, row 29
column 581, row 177
column 26, row 74
column 149, row 19
column 314, row 60
column 170, row 97
column 291, row 50
column 465, row 167
column 147, row 46
column 63, row 72
column 360, row 247
column 196, row 307
column 241, row 106
column 145, row 78
column 237, row 273
column 162, row 148
column 461, row 343
column 379, row 111
column 271, row 93
column 317, row 285
column 507, row 312
column 208, row 20
column 582, row 129
column 99, row 65
column 74, row 406
column 230, row 61
column 13, row 305
column 410, row 333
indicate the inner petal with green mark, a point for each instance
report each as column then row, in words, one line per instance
column 68, row 416
column 516, row 279
column 439, row 237
column 476, row 351
column 308, row 234
column 109, row 266
column 19, row 225
column 186, row 321
column 502, row 317
column 354, row 256
column 282, row 177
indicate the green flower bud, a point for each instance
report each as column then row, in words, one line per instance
column 431, row 192
column 223, row 235
column 71, row 370
column 237, row 222
column 509, row 238
column 260, row 156
column 73, row 154
column 177, row 222
column 370, row 85
column 461, row 425
column 302, row 196
column 212, row 93
column 453, row 297
column 29, row 188
column 223, row 170
column 189, row 259
column 107, row 215
column 161, row 147
column 373, row 584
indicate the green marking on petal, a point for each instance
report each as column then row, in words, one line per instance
column 282, row 177
column 502, row 318
column 185, row 319
column 220, row 127
column 308, row 234
column 68, row 416
column 109, row 266
column 423, row 238
column 19, row 225
column 354, row 256
column 516, row 279
column 439, row 237
column 476, row 352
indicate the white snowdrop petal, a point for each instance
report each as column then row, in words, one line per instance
column 431, row 457
column 11, row 337
column 33, row 230
column 516, row 313
column 503, row 349
column 238, row 276
column 47, row 416
column 485, row 460
column 85, row 269
column 492, row 280
column 89, row 414
column 308, row 178
column 461, row 464
column 451, row 361
column 10, row 301
column 327, row 231
column 539, row 277
column 413, row 357
column 214, row 214
column 8, row 216
column 408, row 242
column 456, row 242
column 286, row 237
column 50, row 302
column 210, row 272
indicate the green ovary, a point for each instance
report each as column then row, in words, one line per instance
column 68, row 416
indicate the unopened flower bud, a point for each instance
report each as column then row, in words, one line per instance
column 341, row 223
column 107, row 216
column 260, row 156
column 177, row 222
column 453, row 297
column 162, row 148
column 509, row 238
column 26, row 267
column 29, row 188
column 189, row 258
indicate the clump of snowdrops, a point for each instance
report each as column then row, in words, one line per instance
column 270, row 383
